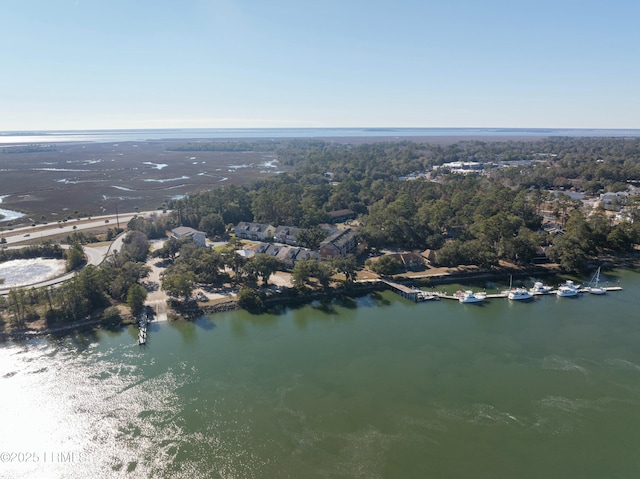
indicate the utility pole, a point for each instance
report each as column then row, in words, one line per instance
column 117, row 219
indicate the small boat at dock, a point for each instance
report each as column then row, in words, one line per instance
column 540, row 288
column 428, row 296
column 519, row 294
column 470, row 297
column 516, row 294
column 593, row 286
column 567, row 289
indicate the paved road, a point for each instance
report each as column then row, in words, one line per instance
column 95, row 254
column 19, row 235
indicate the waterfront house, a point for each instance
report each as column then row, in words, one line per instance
column 198, row 237
column 410, row 261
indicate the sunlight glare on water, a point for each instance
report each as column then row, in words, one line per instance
column 374, row 387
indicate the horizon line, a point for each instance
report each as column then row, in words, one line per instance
column 382, row 128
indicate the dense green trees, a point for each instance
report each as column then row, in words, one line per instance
column 136, row 246
column 75, row 257
column 473, row 219
column 385, row 265
column 278, row 201
column 179, row 282
column 304, row 270
column 212, row 225
column 154, row 227
column 136, row 296
column 250, row 300
column 44, row 250
column 492, row 217
column 311, row 237
column 263, row 266
column 346, row 266
column 232, row 203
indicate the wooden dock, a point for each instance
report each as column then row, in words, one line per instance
column 414, row 294
column 402, row 290
column 418, row 295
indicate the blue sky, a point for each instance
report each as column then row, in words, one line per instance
column 92, row 64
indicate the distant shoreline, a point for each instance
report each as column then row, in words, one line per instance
column 360, row 135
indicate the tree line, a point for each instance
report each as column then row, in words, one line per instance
column 467, row 219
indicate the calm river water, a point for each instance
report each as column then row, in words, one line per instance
column 376, row 387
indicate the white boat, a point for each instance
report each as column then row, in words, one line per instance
column 593, row 287
column 540, row 288
column 470, row 297
column 427, row 296
column 567, row 289
column 519, row 294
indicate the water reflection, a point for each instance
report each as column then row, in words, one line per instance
column 186, row 329
column 8, row 215
column 386, row 389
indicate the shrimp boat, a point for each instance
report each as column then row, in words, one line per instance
column 593, row 287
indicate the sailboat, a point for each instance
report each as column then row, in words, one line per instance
column 593, row 287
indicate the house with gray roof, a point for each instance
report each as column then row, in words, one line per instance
column 199, row 237
column 287, row 235
column 340, row 243
column 254, row 231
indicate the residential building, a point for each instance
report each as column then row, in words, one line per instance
column 287, row 235
column 254, row 231
column 289, row 255
column 429, row 256
column 613, row 201
column 199, row 237
column 339, row 216
column 339, row 244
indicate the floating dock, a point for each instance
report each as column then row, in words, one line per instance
column 417, row 295
column 504, row 294
column 143, row 325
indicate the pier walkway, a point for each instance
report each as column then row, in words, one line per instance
column 414, row 294
column 417, row 295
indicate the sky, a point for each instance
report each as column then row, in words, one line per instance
column 111, row 64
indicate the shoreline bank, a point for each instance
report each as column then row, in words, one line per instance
column 356, row 289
